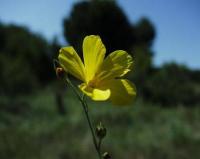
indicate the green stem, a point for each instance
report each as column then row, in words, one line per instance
column 85, row 108
column 91, row 128
column 99, row 144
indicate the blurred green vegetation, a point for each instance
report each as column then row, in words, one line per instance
column 24, row 59
column 144, row 130
column 40, row 119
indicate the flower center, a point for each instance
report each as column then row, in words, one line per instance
column 93, row 83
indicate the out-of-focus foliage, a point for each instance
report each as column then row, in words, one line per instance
column 24, row 60
column 173, row 84
column 55, row 47
column 144, row 32
column 141, row 131
column 142, row 66
column 143, row 55
column 104, row 18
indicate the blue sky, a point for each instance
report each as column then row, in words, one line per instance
column 176, row 21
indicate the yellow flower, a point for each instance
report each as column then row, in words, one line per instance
column 102, row 78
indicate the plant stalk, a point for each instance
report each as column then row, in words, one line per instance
column 85, row 108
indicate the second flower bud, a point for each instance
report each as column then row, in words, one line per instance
column 100, row 131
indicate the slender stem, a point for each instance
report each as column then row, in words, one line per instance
column 99, row 144
column 85, row 108
column 74, row 89
column 91, row 128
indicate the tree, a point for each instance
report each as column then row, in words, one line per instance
column 104, row 18
column 172, row 84
column 144, row 35
column 24, row 58
column 144, row 32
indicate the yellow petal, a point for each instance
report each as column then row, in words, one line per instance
column 93, row 54
column 116, row 64
column 123, row 92
column 71, row 62
column 95, row 93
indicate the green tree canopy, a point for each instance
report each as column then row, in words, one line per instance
column 144, row 32
column 172, row 84
column 104, row 18
column 24, row 59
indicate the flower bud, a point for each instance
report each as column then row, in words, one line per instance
column 100, row 131
column 106, row 155
column 60, row 72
